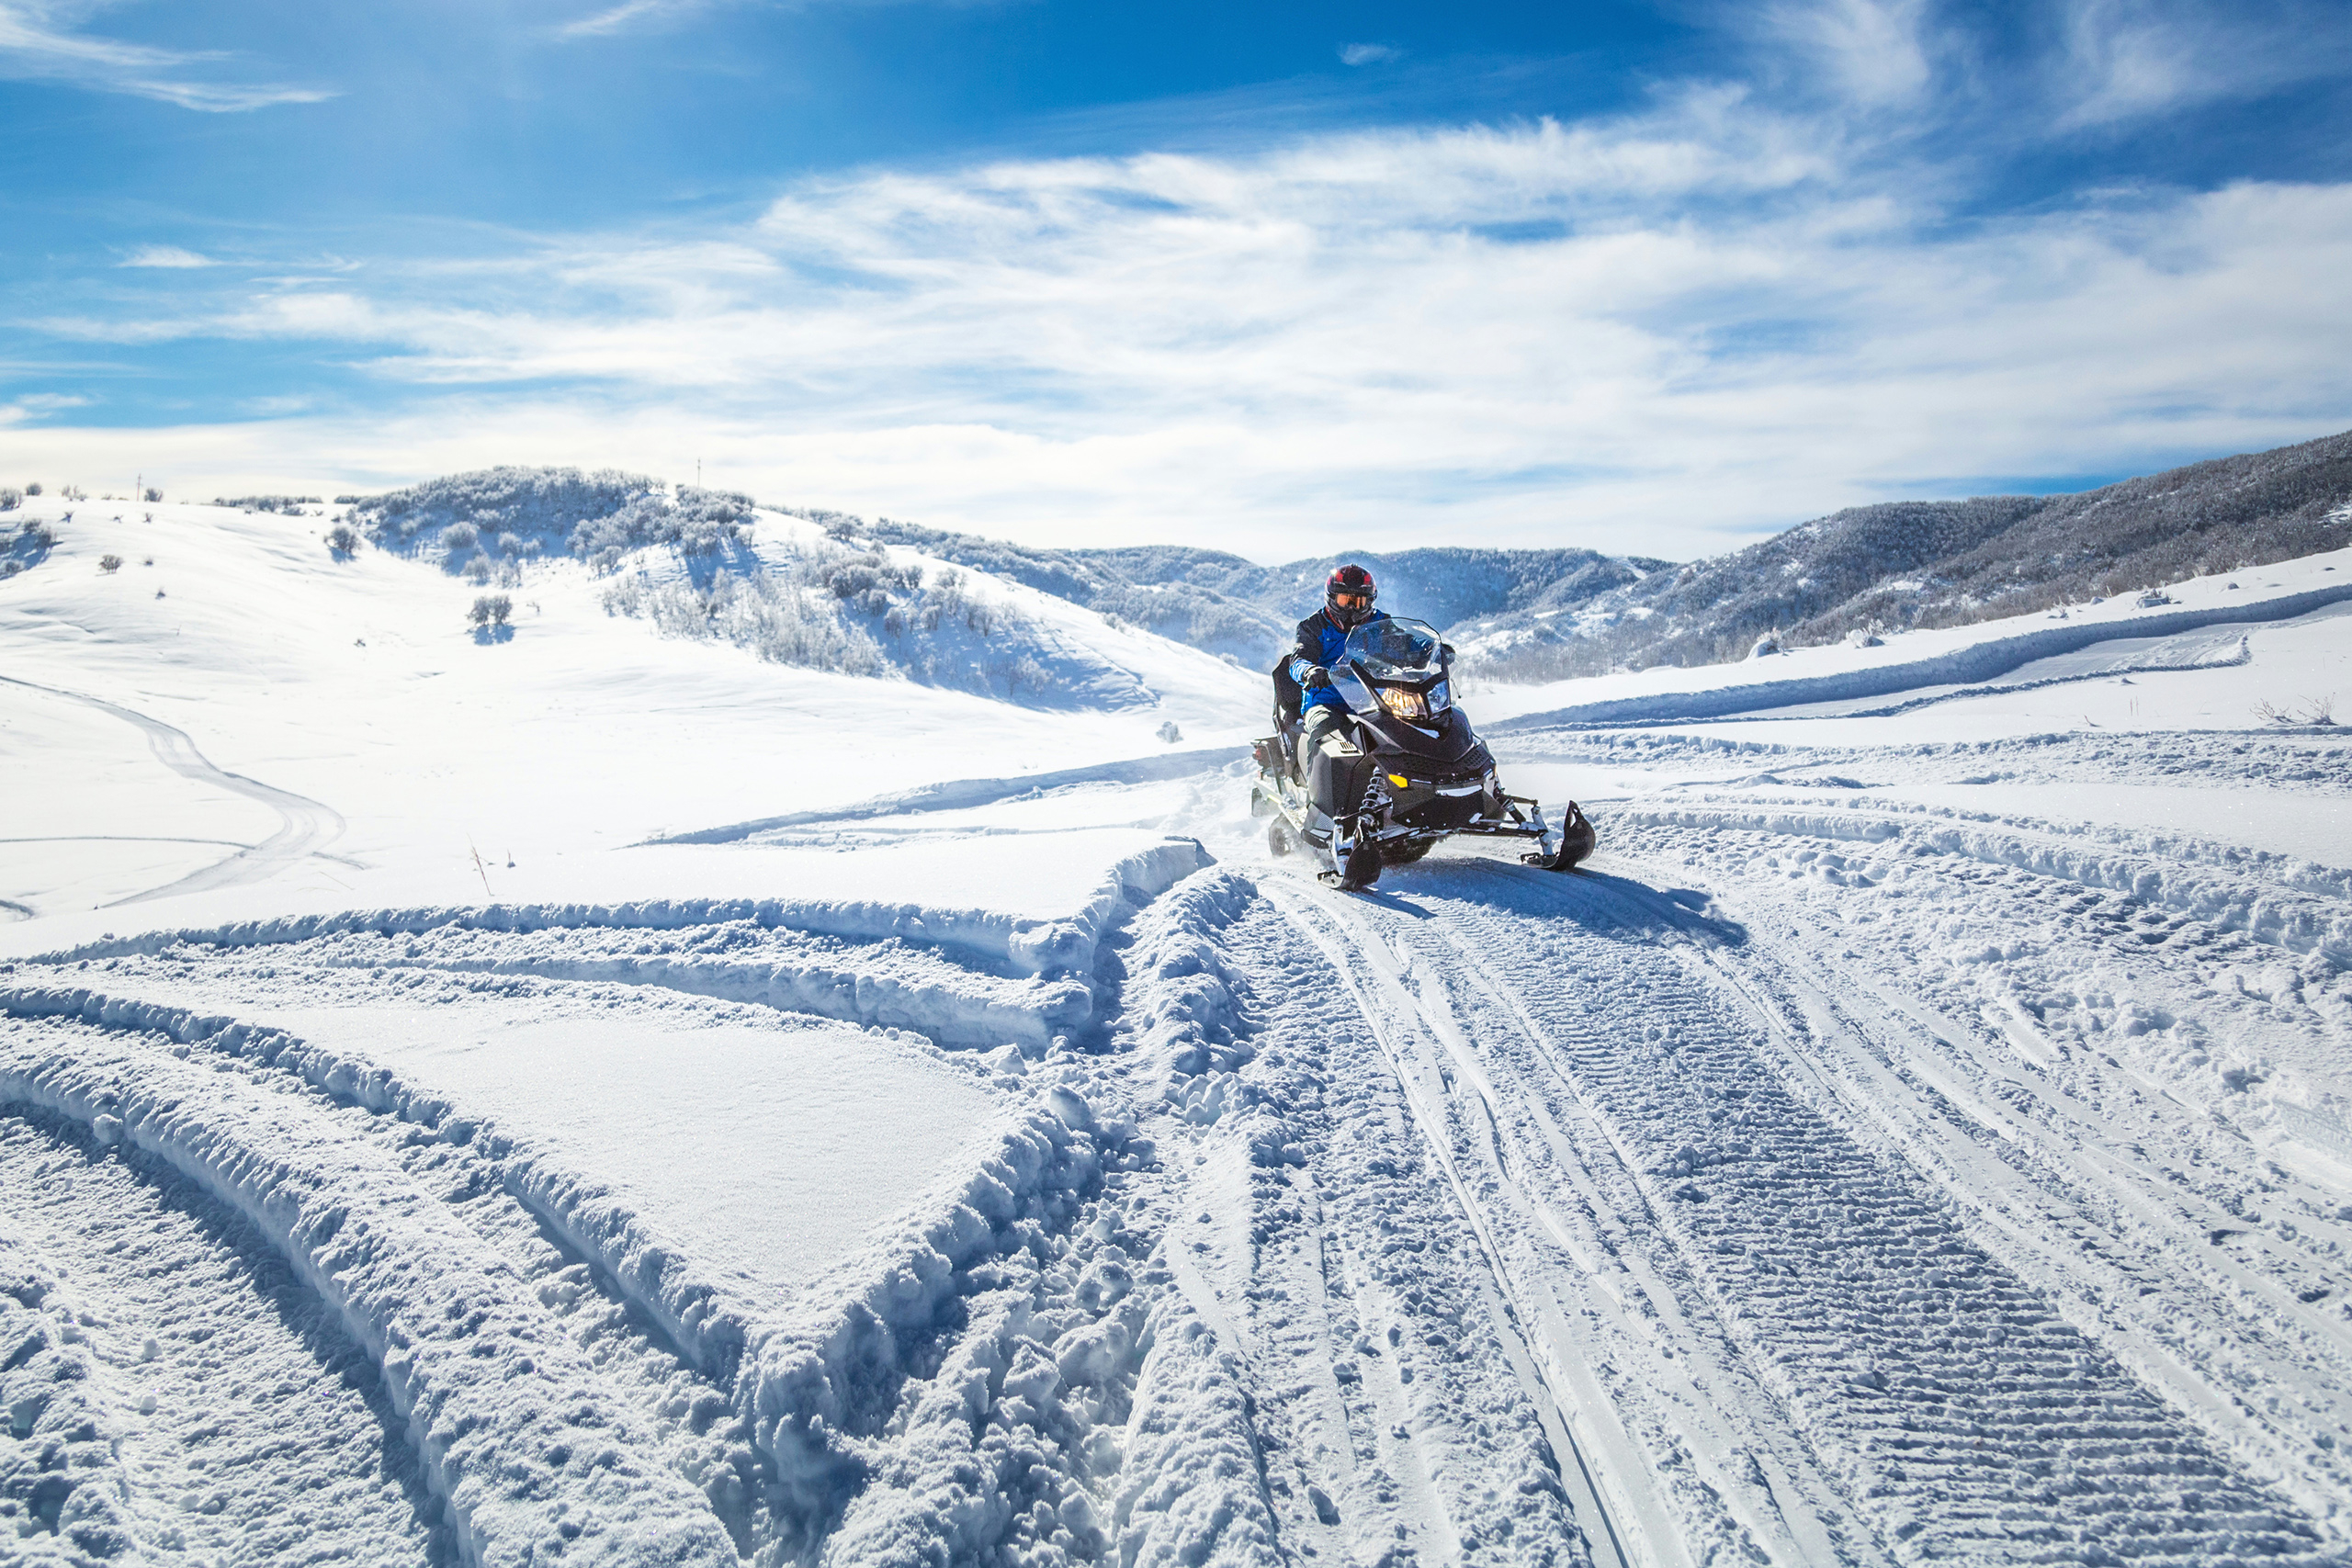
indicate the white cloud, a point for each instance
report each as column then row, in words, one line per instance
column 2123, row 60
column 165, row 257
column 1369, row 54
column 40, row 41
column 625, row 16
column 1875, row 52
column 1655, row 333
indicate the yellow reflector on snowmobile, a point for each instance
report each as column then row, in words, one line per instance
column 1401, row 781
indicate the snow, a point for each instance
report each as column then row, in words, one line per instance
column 2199, row 622
column 776, row 1149
column 602, row 1098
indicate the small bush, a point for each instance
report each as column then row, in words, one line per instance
column 342, row 539
column 32, row 490
column 478, row 570
column 460, row 537
column 150, row 494
column 10, row 498
column 2317, row 711
column 291, row 505
column 110, row 564
column 73, row 492
column 490, row 610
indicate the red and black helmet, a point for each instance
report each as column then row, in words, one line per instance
column 1348, row 594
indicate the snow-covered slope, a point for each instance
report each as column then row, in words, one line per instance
column 598, row 1096
column 1945, row 563
column 2203, row 624
column 230, row 646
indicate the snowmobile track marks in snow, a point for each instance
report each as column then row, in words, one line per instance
column 1650, row 1476
column 516, row 1427
column 305, row 826
column 2095, row 1181
column 1959, row 1414
column 174, row 1363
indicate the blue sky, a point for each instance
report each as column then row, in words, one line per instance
column 1273, row 278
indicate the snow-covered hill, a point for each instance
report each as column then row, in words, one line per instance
column 1248, row 612
column 818, row 594
column 1948, row 563
column 583, row 1091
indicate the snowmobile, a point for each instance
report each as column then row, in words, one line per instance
column 1403, row 771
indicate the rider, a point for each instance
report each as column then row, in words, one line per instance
column 1348, row 594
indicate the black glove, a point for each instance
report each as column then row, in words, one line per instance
column 1318, row 679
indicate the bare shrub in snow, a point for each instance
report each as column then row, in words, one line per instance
column 150, row 494
column 2317, row 711
column 110, row 564
column 10, row 498
column 490, row 610
column 291, row 505
column 779, row 620
column 32, row 490
column 595, row 516
column 1024, row 676
column 342, row 539
column 73, row 492
column 460, row 537
column 478, row 570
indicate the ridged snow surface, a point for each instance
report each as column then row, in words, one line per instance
column 601, row 1099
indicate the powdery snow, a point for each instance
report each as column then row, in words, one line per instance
column 870, row 1125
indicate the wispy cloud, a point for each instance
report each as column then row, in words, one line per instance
column 2122, row 60
column 38, row 405
column 42, row 40
column 1725, row 311
column 1368, row 53
column 165, row 257
column 1873, row 53
column 628, row 14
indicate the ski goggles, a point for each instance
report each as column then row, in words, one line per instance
column 1352, row 601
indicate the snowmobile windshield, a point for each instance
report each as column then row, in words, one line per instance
column 1394, row 650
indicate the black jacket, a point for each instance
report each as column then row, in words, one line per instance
column 1320, row 638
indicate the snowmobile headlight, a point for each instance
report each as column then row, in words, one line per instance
column 1403, row 704
column 1440, row 697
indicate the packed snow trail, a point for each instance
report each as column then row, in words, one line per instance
column 304, row 825
column 1558, row 1041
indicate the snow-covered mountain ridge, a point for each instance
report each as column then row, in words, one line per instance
column 1231, row 605
column 1872, row 570
column 1529, row 614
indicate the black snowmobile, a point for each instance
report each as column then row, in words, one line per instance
column 1402, row 772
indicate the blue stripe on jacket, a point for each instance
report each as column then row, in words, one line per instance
column 1330, row 641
